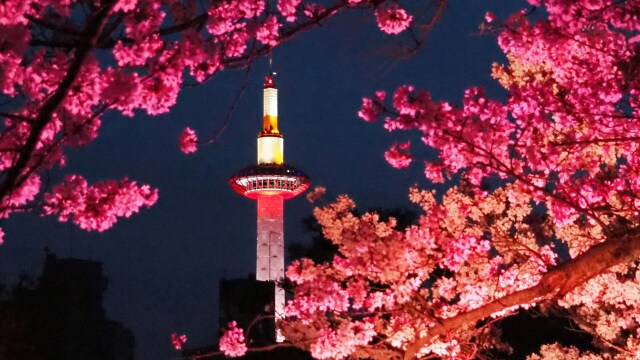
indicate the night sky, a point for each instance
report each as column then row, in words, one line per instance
column 164, row 263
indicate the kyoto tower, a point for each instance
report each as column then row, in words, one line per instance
column 270, row 182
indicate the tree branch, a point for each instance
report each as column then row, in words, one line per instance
column 243, row 61
column 197, row 22
column 54, row 27
column 254, row 349
column 597, row 141
column 12, row 178
column 232, row 109
column 556, row 283
column 16, row 117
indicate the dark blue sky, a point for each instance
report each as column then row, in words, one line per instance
column 164, row 264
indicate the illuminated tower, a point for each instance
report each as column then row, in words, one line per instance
column 270, row 182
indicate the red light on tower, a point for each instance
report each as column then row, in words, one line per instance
column 270, row 182
column 268, row 82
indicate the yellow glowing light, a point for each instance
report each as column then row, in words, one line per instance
column 270, row 125
column 270, row 150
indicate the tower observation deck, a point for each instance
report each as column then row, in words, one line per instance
column 270, row 182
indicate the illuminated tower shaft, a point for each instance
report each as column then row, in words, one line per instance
column 270, row 182
column 270, row 251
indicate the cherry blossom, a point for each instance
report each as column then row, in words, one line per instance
column 178, row 341
column 288, row 8
column 316, row 194
column 268, row 32
column 398, row 156
column 372, row 107
column 557, row 351
column 97, row 207
column 490, row 17
column 393, row 19
column 188, row 141
column 340, row 343
column 232, row 343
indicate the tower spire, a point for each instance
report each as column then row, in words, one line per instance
column 270, row 106
column 270, row 140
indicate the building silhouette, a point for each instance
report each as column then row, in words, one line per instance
column 61, row 317
column 249, row 303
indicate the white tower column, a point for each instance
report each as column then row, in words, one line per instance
column 270, row 251
column 270, row 261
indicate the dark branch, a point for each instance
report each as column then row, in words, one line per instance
column 597, row 141
column 12, row 178
column 16, row 117
column 54, row 27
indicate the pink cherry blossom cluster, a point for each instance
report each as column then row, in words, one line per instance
column 268, row 32
column 97, row 207
column 372, row 107
column 188, row 141
column 340, row 343
column 232, row 343
column 557, row 351
column 316, row 194
column 393, row 19
column 399, row 156
column 288, row 8
column 178, row 341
